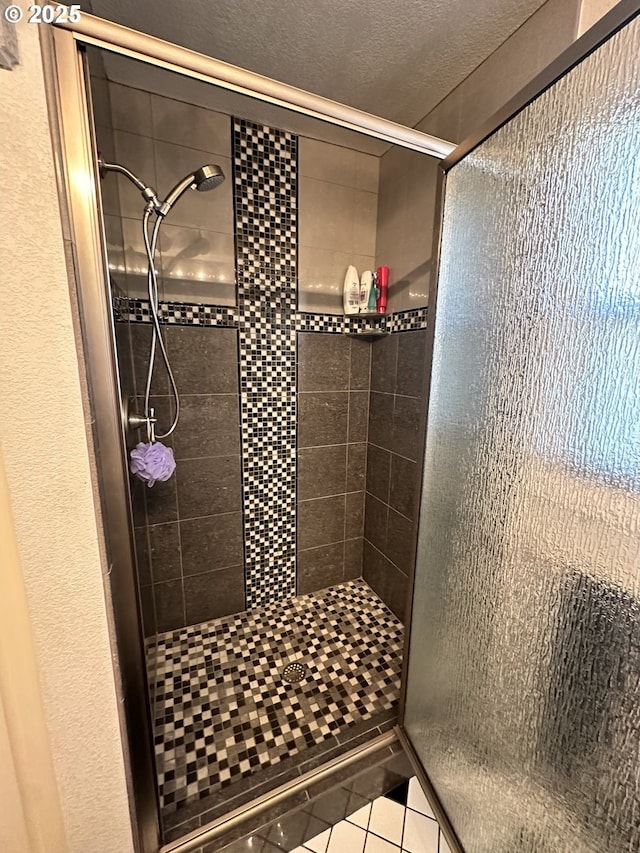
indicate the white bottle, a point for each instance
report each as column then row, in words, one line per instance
column 366, row 283
column 351, row 292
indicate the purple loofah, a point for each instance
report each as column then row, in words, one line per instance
column 152, row 462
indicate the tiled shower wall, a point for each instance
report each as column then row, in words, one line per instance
column 397, row 419
column 222, row 534
column 333, row 410
column 162, row 140
column 188, row 531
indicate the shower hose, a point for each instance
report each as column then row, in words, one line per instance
column 156, row 337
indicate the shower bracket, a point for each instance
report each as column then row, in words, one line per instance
column 132, row 421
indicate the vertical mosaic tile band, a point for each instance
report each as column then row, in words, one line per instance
column 265, row 199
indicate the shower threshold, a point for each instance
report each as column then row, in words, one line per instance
column 229, row 728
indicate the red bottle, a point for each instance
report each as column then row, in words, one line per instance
column 383, row 289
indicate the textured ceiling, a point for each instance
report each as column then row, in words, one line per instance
column 394, row 58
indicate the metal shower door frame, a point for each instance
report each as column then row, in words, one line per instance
column 75, row 155
column 617, row 18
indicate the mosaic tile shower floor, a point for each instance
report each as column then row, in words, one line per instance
column 221, row 709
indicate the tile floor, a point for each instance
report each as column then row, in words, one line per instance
column 401, row 820
column 222, row 711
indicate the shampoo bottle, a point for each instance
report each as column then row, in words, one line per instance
column 383, row 289
column 366, row 285
column 373, row 295
column 351, row 291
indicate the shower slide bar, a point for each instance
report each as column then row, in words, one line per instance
column 110, row 36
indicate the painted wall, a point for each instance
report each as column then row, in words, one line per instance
column 44, row 444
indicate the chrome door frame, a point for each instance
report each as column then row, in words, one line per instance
column 75, row 155
column 74, row 150
column 613, row 21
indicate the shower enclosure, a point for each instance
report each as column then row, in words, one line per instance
column 246, row 427
column 519, row 702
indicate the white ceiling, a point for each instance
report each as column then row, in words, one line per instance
column 393, row 58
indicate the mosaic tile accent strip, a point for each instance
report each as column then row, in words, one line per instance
column 265, row 203
column 174, row 313
column 338, row 324
column 222, row 710
column 407, row 321
column 194, row 314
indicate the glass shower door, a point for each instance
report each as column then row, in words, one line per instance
column 523, row 688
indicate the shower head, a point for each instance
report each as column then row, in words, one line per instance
column 208, row 178
column 205, row 178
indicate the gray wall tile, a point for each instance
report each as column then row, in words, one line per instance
column 164, row 542
column 148, row 609
column 356, row 466
column 140, row 349
column 322, row 471
column 360, row 365
column 384, row 356
column 378, row 472
column 411, row 367
column 209, row 486
column 213, row 594
column 408, row 417
column 213, row 542
column 320, row 567
column 323, row 362
column 396, row 429
column 404, row 485
column 320, row 521
column 354, row 520
column 322, row 418
column 385, row 579
column 169, row 603
column 161, row 502
column 401, row 537
column 208, row 426
column 375, row 522
column 358, row 415
column 143, row 562
column 353, row 558
column 381, row 419
column 204, row 359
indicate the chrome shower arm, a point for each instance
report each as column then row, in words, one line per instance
column 148, row 193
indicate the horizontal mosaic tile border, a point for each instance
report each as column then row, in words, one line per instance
column 173, row 313
column 407, row 321
column 195, row 314
column 338, row 324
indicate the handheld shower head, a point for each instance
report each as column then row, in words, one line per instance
column 204, row 179
column 208, row 178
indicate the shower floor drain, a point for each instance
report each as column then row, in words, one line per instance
column 293, row 673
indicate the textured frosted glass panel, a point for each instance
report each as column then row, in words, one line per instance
column 524, row 676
